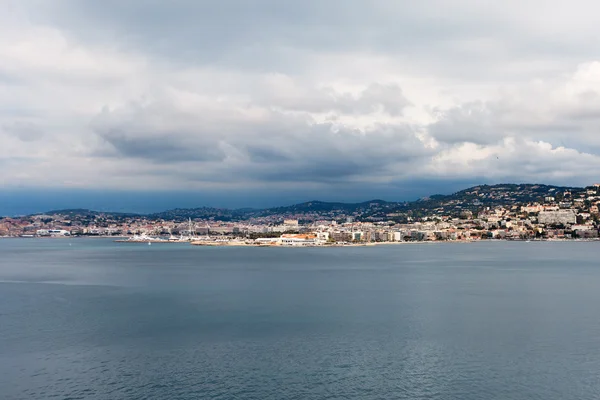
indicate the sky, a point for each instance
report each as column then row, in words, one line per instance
column 142, row 105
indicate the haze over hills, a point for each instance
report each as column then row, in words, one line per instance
column 85, row 211
column 469, row 199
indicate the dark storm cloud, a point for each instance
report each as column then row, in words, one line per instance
column 165, row 149
column 466, row 123
column 277, row 147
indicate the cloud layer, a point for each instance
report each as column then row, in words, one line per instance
column 315, row 95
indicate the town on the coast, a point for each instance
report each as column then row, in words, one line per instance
column 499, row 212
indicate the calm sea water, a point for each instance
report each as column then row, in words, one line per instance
column 93, row 319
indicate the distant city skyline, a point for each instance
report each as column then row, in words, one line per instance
column 482, row 212
column 145, row 105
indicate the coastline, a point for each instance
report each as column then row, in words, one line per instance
column 236, row 243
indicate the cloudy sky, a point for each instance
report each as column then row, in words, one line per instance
column 145, row 104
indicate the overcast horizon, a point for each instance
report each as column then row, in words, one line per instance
column 149, row 105
column 26, row 202
column 31, row 202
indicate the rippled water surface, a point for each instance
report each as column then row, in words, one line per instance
column 93, row 319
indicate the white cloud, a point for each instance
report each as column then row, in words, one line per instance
column 199, row 94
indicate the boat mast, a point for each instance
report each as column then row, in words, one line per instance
column 192, row 233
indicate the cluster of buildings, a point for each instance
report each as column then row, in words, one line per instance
column 562, row 215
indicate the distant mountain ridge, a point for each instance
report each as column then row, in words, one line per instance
column 85, row 211
column 470, row 199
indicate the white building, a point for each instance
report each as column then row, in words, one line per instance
column 52, row 232
column 294, row 241
column 324, row 236
column 557, row 217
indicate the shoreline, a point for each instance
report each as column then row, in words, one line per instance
column 125, row 239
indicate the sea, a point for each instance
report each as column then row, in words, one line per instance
column 94, row 319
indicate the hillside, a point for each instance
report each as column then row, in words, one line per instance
column 221, row 214
column 83, row 212
column 471, row 199
column 478, row 197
